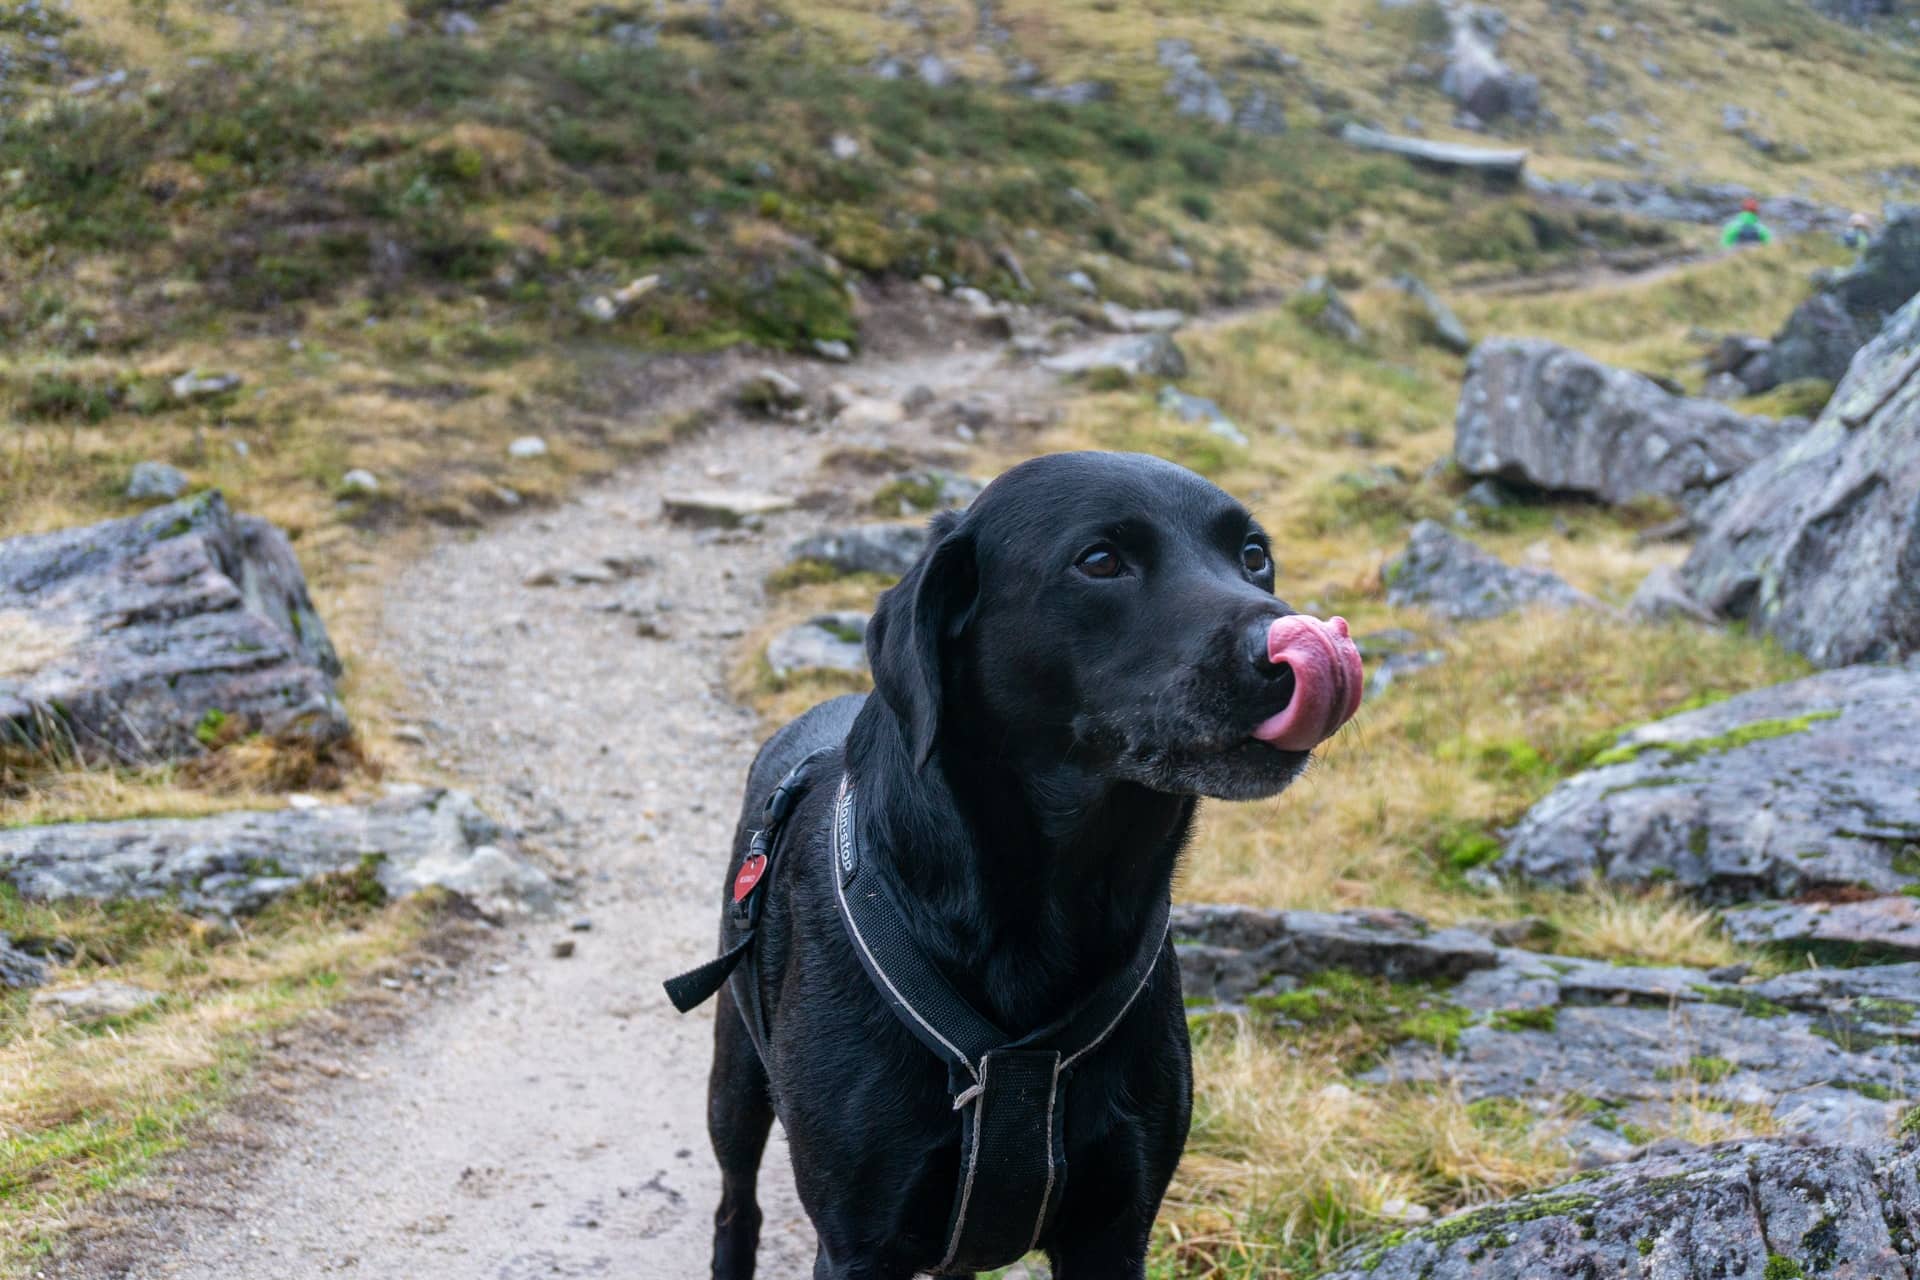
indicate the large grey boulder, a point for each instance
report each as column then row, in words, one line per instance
column 1824, row 332
column 232, row 863
column 1478, row 80
column 1739, row 1210
column 1805, row 784
column 1819, row 544
column 124, row 641
column 889, row 548
column 1451, row 577
column 1537, row 414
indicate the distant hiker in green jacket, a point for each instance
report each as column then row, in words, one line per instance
column 1859, row 233
column 1746, row 227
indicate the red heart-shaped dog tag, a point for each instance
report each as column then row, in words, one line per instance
column 750, row 873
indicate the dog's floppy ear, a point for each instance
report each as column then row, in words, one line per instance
column 911, row 625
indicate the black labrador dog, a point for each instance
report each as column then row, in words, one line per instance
column 1075, row 660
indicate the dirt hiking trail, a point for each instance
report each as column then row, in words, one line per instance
column 547, row 1119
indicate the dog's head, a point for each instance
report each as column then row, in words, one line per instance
column 1114, row 613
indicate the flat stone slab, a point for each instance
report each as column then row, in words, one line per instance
column 233, row 863
column 1228, row 953
column 1753, row 1210
column 1876, row 926
column 721, row 507
column 126, row 641
column 1802, row 785
column 96, row 1002
column 1500, row 163
column 1151, row 355
column 1453, row 578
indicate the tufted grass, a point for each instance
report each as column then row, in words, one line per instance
column 83, row 1108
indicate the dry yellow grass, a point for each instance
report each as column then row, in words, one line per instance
column 1287, row 1164
column 83, row 1108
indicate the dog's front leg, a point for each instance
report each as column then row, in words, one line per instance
column 1120, row 1256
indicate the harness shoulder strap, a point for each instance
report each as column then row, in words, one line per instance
column 917, row 992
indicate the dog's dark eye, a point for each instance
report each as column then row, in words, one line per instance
column 1254, row 556
column 1100, row 561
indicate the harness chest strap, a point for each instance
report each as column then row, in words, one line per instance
column 1010, row 1092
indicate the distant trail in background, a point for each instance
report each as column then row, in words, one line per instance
column 1594, row 275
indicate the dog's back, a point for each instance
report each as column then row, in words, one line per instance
column 825, row 725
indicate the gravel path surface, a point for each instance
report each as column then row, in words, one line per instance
column 548, row 1120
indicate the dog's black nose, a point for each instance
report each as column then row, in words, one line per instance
column 1258, row 652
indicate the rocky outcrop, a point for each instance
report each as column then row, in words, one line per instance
column 1839, row 1063
column 1476, row 78
column 1495, row 163
column 1537, row 414
column 1451, row 577
column 887, row 548
column 133, row 640
column 830, row 642
column 19, row 968
column 1196, row 92
column 1824, row 332
column 1819, row 544
column 1828, row 1051
column 413, row 838
column 1749, row 1209
column 1785, row 789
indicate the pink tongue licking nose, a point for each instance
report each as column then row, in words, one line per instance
column 1326, row 681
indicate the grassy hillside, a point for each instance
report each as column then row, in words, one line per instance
column 396, row 238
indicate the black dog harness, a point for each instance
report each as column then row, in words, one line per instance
column 1010, row 1092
